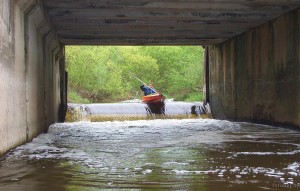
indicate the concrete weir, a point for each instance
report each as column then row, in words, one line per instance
column 252, row 65
column 135, row 110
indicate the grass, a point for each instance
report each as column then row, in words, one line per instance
column 197, row 96
column 73, row 97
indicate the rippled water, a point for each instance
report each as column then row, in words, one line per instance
column 188, row 154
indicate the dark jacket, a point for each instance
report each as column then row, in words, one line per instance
column 147, row 90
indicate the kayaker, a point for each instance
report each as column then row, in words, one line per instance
column 147, row 89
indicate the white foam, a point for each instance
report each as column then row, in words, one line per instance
column 189, row 172
column 220, row 174
column 147, row 171
column 268, row 153
column 295, row 166
column 293, row 173
column 175, row 163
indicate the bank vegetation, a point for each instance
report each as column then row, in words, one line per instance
column 98, row 74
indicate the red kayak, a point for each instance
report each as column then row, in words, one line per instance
column 153, row 98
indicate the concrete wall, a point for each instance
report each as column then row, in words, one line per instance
column 256, row 76
column 29, row 72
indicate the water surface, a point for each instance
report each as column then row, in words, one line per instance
column 170, row 154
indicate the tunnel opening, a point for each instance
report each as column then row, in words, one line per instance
column 103, row 76
column 253, row 76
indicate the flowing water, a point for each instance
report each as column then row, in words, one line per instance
column 136, row 110
column 169, row 154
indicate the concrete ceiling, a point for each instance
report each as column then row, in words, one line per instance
column 152, row 22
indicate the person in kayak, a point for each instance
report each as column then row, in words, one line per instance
column 147, row 89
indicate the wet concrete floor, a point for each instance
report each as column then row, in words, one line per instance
column 169, row 154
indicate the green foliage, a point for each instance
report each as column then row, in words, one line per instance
column 108, row 73
column 73, row 97
column 197, row 96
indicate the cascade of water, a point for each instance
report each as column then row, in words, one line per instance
column 77, row 112
column 136, row 110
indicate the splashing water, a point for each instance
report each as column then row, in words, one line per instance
column 135, row 111
column 169, row 154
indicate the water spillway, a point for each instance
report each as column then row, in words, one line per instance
column 135, row 110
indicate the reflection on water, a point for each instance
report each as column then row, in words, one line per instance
column 189, row 154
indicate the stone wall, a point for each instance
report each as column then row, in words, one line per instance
column 30, row 55
column 256, row 76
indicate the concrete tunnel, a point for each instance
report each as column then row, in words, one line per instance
column 252, row 58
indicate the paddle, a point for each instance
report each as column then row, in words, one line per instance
column 132, row 75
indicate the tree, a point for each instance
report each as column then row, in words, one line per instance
column 108, row 73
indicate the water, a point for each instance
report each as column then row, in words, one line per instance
column 170, row 154
column 136, row 110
